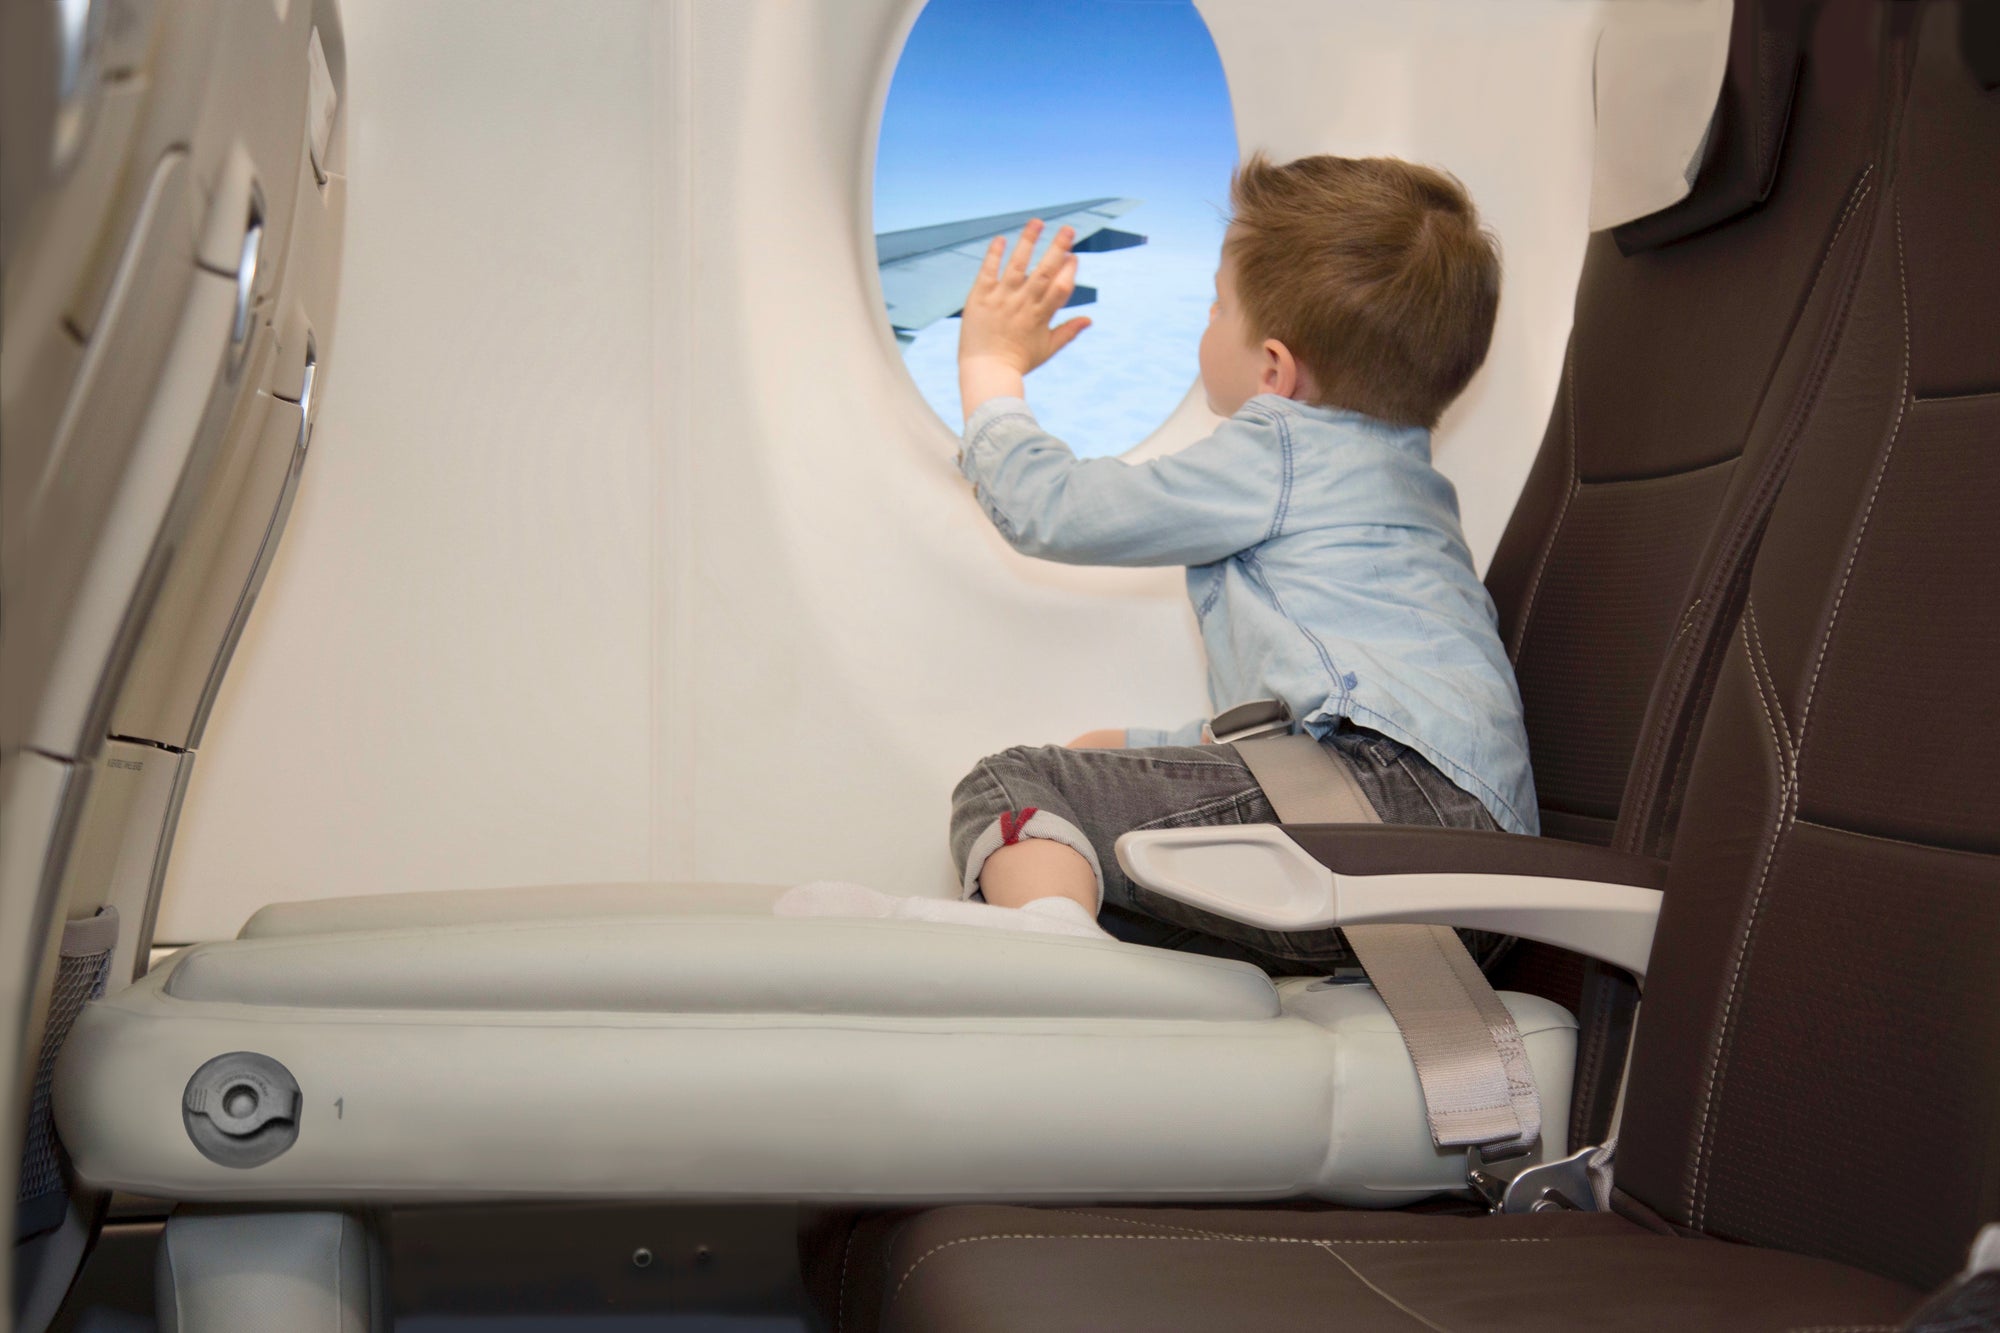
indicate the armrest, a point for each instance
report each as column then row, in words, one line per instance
column 1397, row 849
column 1307, row 877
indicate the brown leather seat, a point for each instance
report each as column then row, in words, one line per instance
column 1817, row 1074
column 1691, row 358
column 975, row 1269
column 1700, row 345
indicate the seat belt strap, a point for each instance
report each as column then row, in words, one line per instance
column 1478, row 1085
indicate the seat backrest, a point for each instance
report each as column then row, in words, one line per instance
column 169, row 310
column 1817, row 1066
column 1701, row 341
column 1690, row 358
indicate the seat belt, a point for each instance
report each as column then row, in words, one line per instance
column 1479, row 1089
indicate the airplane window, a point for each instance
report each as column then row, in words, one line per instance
column 1110, row 115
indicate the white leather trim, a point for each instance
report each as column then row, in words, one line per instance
column 540, row 902
column 409, row 1104
column 440, row 1106
column 724, row 964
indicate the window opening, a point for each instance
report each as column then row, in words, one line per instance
column 1109, row 115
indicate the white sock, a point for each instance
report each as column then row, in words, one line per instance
column 1068, row 912
column 1044, row 916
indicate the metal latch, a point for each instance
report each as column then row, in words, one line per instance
column 1259, row 717
column 1521, row 1184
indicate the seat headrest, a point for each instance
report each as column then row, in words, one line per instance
column 1655, row 79
column 1740, row 161
column 1979, row 39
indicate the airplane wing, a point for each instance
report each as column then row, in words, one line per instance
column 926, row 271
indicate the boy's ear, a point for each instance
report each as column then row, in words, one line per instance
column 1279, row 371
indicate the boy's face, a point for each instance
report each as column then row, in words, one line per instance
column 1231, row 359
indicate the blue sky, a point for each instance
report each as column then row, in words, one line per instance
column 1002, row 105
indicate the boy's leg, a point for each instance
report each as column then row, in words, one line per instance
column 1082, row 800
column 1036, row 821
column 1032, row 868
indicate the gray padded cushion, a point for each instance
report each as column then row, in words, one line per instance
column 542, row 902
column 724, row 964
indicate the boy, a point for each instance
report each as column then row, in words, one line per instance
column 1354, row 300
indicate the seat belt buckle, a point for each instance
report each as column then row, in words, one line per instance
column 1522, row 1184
column 1259, row 717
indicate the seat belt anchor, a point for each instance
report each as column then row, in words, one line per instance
column 1521, row 1184
column 1259, row 717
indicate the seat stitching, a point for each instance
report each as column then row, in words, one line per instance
column 1697, row 1185
column 1847, row 1328
column 1774, row 708
column 840, row 1294
column 1698, row 1179
column 1874, row 489
column 1685, row 665
column 1687, row 620
column 1142, row 1222
column 1363, row 1280
column 1854, row 198
column 1215, row 1234
column 1569, row 491
column 1224, row 1236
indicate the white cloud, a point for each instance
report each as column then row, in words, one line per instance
column 1113, row 386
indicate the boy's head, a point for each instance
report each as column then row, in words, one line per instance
column 1363, row 283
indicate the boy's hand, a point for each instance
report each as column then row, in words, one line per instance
column 1005, row 330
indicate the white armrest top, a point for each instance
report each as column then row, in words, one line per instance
column 1254, row 873
column 539, row 902
column 723, row 964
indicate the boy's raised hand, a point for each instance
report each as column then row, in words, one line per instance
column 1005, row 330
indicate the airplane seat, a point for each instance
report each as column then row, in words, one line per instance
column 374, row 1051
column 1699, row 337
column 1596, row 565
column 1806, row 1135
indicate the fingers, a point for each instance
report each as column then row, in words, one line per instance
column 989, row 268
column 1017, row 263
column 1064, row 334
column 1048, row 293
column 1057, row 255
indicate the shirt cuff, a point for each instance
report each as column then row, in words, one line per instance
column 979, row 438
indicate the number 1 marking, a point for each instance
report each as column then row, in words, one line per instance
column 340, row 1108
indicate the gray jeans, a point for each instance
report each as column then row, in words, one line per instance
column 1090, row 797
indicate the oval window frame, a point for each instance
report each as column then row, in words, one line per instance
column 1185, row 422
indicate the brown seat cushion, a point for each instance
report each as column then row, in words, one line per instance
column 985, row 1268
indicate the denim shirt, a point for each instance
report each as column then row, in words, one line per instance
column 1325, row 562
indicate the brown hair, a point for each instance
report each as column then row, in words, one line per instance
column 1376, row 274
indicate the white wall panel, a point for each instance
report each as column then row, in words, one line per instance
column 629, row 551
column 446, row 680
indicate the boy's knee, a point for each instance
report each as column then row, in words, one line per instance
column 1027, row 824
column 987, row 781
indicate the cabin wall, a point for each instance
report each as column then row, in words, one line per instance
column 626, row 549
